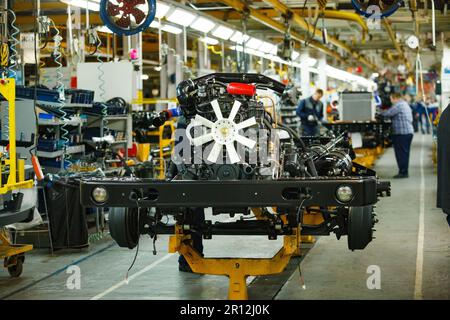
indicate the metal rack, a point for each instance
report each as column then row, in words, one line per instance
column 76, row 149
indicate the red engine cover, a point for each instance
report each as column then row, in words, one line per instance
column 241, row 89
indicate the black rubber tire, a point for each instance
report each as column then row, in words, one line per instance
column 16, row 270
column 360, row 224
column 123, row 227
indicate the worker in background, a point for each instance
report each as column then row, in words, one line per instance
column 402, row 132
column 310, row 111
column 412, row 105
column 332, row 111
column 443, row 162
column 433, row 111
column 422, row 111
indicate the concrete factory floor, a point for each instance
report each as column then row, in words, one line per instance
column 410, row 266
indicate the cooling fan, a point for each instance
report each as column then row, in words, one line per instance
column 127, row 17
column 224, row 132
column 386, row 7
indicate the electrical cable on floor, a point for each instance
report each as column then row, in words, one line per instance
column 137, row 246
column 300, row 217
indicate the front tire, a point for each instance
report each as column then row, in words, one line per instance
column 360, row 223
column 123, row 226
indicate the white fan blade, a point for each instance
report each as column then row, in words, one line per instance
column 202, row 139
column 215, row 152
column 204, row 121
column 216, row 108
column 247, row 123
column 234, row 110
column 232, row 153
column 245, row 141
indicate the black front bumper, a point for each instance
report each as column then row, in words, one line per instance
column 133, row 192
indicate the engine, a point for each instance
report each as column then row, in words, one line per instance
column 232, row 132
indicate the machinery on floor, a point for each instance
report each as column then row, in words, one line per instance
column 293, row 185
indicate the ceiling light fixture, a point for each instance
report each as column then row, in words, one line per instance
column 203, row 25
column 223, row 32
column 181, row 17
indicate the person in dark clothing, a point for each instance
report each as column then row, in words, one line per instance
column 197, row 214
column 443, row 159
column 421, row 108
column 310, row 111
column 402, row 132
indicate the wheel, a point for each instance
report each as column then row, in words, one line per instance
column 123, row 226
column 16, row 270
column 360, row 222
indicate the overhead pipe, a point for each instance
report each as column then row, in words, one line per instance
column 280, row 27
column 339, row 15
column 300, row 21
column 388, row 27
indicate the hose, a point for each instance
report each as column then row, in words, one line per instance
column 101, row 80
column 61, row 98
column 11, row 69
column 14, row 43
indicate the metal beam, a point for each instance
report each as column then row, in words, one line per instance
column 300, row 21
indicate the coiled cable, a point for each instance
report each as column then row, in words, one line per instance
column 14, row 43
column 61, row 98
column 101, row 80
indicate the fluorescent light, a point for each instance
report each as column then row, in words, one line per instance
column 209, row 40
column 223, row 32
column 181, row 17
column 295, row 55
column 347, row 77
column 92, row 5
column 104, row 29
column 237, row 48
column 171, row 29
column 308, row 62
column 203, row 25
column 266, row 47
column 253, row 43
column 311, row 62
column 274, row 50
column 239, row 37
column 145, row 77
column 155, row 24
column 161, row 10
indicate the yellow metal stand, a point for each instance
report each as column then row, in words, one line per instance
column 163, row 142
column 13, row 255
column 367, row 156
column 237, row 269
column 16, row 168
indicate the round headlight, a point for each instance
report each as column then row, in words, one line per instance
column 99, row 194
column 344, row 194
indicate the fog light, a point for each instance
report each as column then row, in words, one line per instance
column 344, row 194
column 100, row 195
